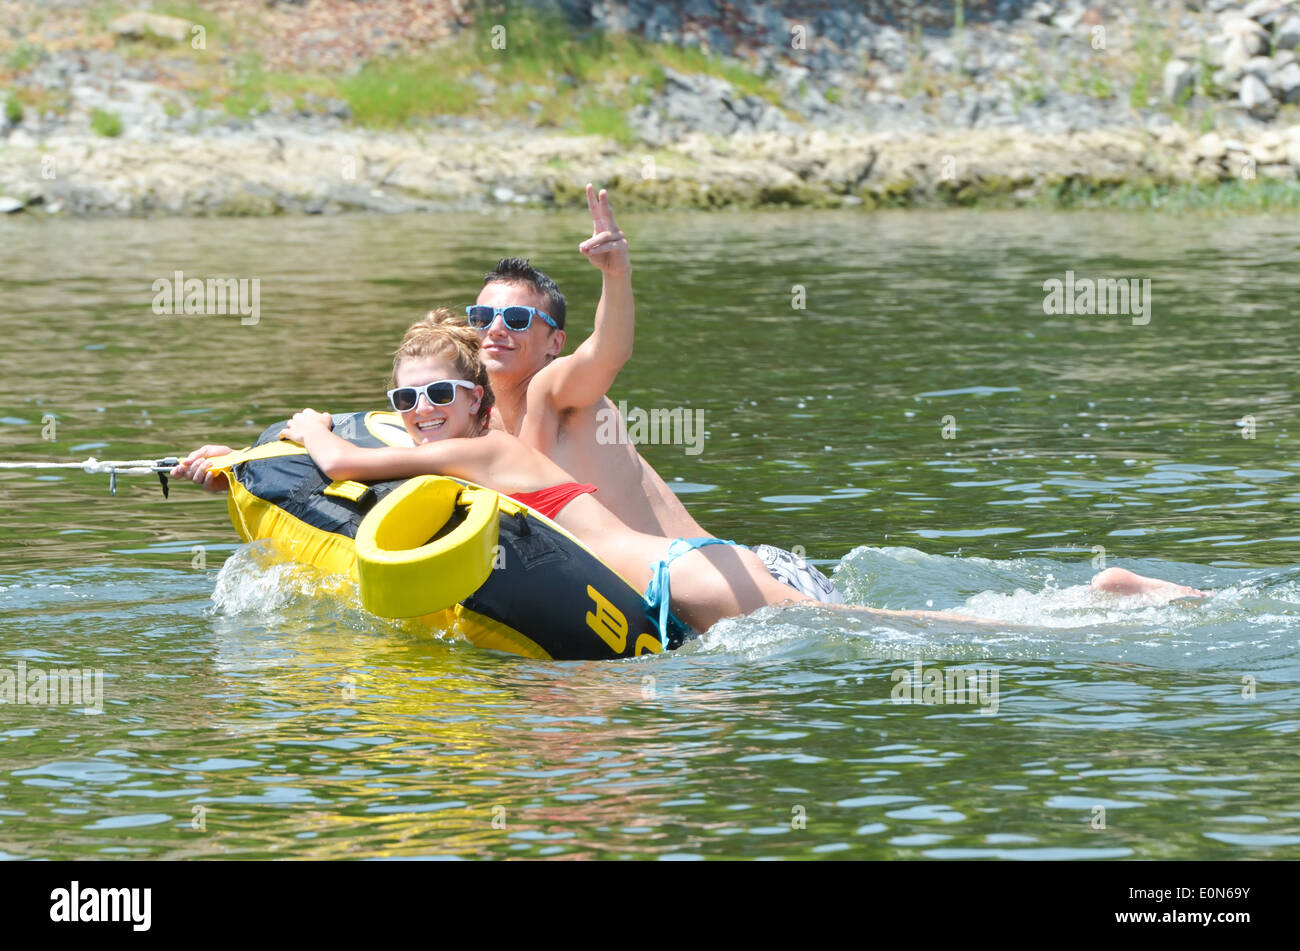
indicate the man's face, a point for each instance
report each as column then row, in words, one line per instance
column 513, row 353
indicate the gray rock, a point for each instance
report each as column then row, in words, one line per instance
column 813, row 103
column 1261, row 66
column 1237, row 53
column 1249, row 35
column 481, row 83
column 661, row 27
column 613, row 18
column 1179, row 80
column 941, row 57
column 1069, row 18
column 9, row 206
column 890, row 48
column 1264, row 11
column 1287, row 83
column 1210, row 146
column 719, row 42
column 1287, row 35
column 1256, row 97
column 702, row 9
column 1006, row 62
column 141, row 24
column 791, row 78
column 1228, row 79
column 1042, row 11
column 647, row 124
column 1215, row 45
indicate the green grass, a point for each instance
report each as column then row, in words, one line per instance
column 394, row 92
column 588, row 78
column 1094, row 82
column 583, row 81
column 215, row 32
column 23, row 57
column 108, row 124
column 607, row 121
column 100, row 15
column 13, row 110
column 246, row 96
column 1152, row 52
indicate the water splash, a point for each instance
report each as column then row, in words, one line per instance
column 1033, row 608
column 257, row 579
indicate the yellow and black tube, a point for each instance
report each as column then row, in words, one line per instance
column 460, row 557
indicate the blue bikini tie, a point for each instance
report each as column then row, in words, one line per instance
column 658, row 592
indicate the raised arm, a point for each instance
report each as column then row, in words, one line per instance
column 585, row 376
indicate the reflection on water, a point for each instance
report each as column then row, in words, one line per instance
column 257, row 711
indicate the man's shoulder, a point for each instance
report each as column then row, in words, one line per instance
column 548, row 387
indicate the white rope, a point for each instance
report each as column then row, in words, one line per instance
column 110, row 467
column 93, row 466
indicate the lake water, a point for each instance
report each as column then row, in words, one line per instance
column 920, row 426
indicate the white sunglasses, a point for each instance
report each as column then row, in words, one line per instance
column 438, row 393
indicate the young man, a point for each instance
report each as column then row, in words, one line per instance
column 557, row 404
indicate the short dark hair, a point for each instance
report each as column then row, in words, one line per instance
column 519, row 271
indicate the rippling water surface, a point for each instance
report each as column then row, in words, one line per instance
column 250, row 710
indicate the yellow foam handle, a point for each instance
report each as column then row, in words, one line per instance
column 400, row 572
column 349, row 489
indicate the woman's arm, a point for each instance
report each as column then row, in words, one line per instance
column 340, row 459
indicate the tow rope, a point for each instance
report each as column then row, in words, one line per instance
column 113, row 467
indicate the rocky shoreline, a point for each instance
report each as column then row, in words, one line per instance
column 937, row 116
column 267, row 171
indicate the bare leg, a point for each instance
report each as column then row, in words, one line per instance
column 945, row 616
column 1122, row 581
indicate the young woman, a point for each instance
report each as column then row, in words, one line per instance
column 441, row 390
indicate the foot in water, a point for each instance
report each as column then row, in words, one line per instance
column 1122, row 581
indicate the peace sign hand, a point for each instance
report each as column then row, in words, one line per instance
column 607, row 246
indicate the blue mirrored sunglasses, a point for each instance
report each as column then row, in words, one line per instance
column 516, row 317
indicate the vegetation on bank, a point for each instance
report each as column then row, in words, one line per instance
column 518, row 64
column 1230, row 197
column 108, row 124
column 515, row 63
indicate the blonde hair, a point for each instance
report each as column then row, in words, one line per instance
column 445, row 335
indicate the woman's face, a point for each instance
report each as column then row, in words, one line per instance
column 430, row 423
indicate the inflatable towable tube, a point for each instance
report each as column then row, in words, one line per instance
column 457, row 556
